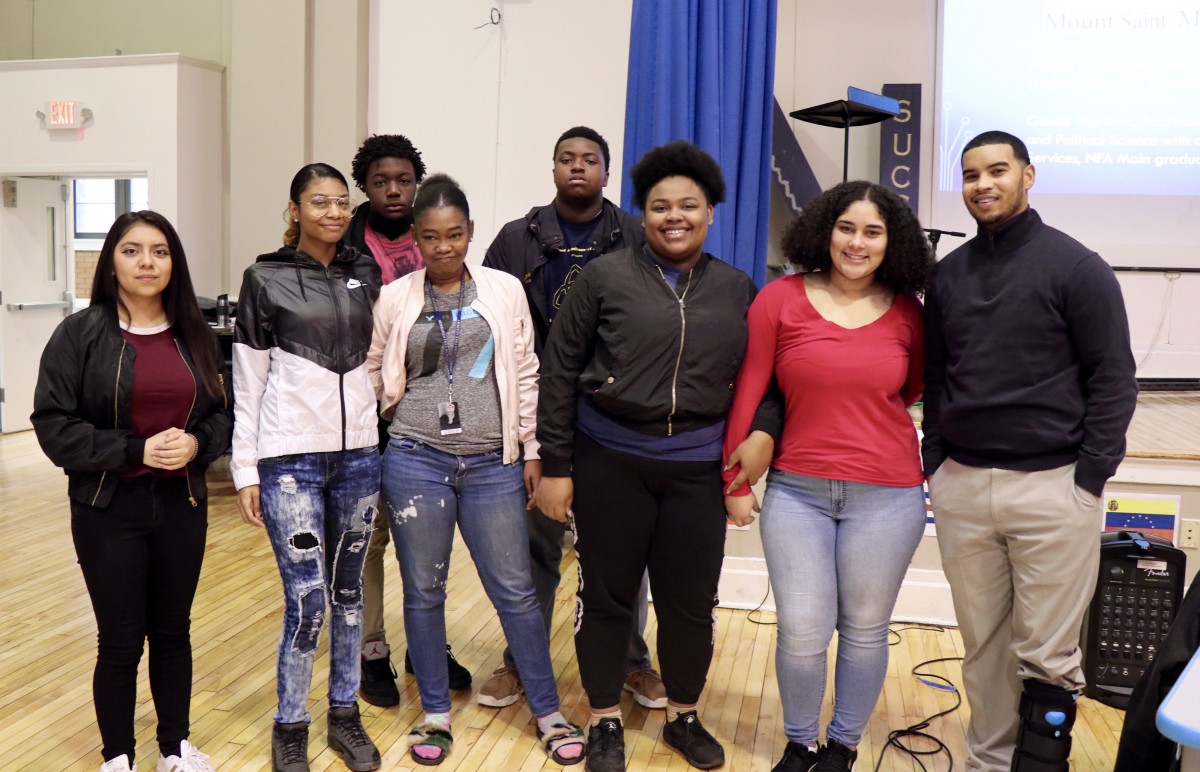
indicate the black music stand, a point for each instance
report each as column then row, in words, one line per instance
column 860, row 108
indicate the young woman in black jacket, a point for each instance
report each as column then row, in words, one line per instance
column 636, row 382
column 130, row 402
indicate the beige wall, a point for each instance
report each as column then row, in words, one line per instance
column 295, row 91
column 485, row 103
column 57, row 29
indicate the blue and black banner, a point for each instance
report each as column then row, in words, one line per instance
column 900, row 144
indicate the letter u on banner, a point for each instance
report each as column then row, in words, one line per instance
column 900, row 144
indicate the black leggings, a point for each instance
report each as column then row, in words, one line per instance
column 632, row 514
column 141, row 560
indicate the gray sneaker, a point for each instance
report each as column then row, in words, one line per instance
column 289, row 747
column 347, row 737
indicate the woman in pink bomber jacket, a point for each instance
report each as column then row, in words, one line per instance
column 453, row 364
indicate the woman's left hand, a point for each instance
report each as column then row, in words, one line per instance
column 739, row 510
column 533, row 477
column 753, row 457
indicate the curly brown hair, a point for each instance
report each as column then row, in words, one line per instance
column 907, row 266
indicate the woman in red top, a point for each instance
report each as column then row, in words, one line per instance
column 844, row 508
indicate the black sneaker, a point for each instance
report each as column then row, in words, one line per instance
column 796, row 758
column 378, row 683
column 606, row 747
column 835, row 757
column 686, row 735
column 460, row 677
column 289, row 747
column 347, row 737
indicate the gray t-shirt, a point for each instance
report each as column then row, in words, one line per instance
column 419, row 413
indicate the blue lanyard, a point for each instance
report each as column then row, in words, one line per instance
column 455, row 322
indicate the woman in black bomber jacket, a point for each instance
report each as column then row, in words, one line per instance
column 131, row 404
column 636, row 382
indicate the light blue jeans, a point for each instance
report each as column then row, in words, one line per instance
column 426, row 492
column 319, row 509
column 836, row 553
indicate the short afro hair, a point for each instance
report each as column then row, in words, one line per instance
column 583, row 132
column 384, row 146
column 1020, row 152
column 908, row 262
column 677, row 159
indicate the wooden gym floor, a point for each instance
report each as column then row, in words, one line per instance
column 47, row 651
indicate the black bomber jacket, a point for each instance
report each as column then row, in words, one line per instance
column 83, row 402
column 657, row 360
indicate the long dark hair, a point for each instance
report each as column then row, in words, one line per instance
column 179, row 298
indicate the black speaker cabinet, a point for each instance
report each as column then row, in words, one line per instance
column 1137, row 598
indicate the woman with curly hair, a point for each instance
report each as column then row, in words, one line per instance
column 844, row 508
column 635, row 388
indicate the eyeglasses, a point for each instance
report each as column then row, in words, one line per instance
column 322, row 204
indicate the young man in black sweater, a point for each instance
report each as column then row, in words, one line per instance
column 546, row 249
column 1029, row 389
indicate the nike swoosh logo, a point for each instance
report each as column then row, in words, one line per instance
column 353, row 284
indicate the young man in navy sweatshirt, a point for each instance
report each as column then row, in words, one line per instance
column 1030, row 386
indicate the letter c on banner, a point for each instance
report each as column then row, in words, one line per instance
column 897, row 183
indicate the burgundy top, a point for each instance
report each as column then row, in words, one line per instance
column 164, row 389
column 846, row 391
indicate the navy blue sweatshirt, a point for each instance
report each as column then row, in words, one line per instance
column 1028, row 362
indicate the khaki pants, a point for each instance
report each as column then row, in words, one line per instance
column 1021, row 551
column 372, row 580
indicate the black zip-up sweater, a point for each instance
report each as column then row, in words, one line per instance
column 83, row 408
column 524, row 245
column 1028, row 362
column 657, row 360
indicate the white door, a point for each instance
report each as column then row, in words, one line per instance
column 33, row 290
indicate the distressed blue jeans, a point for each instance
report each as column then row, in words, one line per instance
column 319, row 509
column 426, row 492
column 836, row 552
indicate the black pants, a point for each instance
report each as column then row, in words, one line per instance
column 141, row 560
column 632, row 514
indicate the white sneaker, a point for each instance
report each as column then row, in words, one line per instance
column 119, row 764
column 189, row 760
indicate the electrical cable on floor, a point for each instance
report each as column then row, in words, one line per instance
column 897, row 630
column 932, row 680
column 751, row 612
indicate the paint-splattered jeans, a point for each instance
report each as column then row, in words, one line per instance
column 318, row 509
column 426, row 492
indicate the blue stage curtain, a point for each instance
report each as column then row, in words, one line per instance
column 704, row 70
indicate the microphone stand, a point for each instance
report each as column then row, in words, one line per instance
column 935, row 235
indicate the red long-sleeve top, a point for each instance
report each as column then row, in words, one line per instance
column 846, row 390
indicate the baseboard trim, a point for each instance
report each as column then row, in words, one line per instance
column 924, row 597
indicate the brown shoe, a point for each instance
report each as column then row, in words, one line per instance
column 502, row 689
column 647, row 688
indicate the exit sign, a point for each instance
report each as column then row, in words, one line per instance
column 66, row 114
